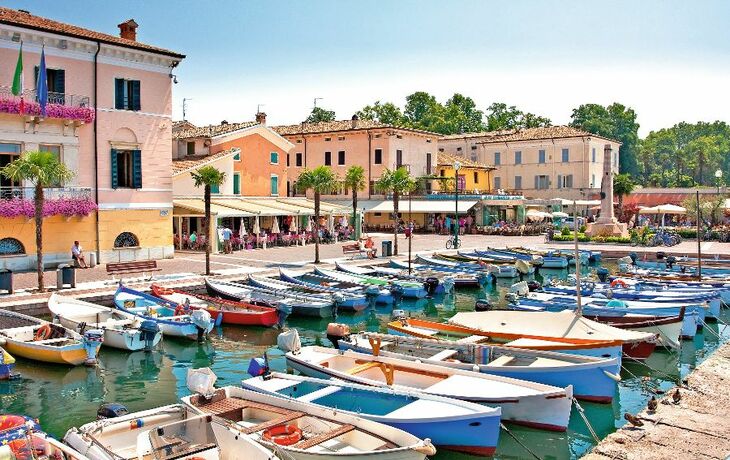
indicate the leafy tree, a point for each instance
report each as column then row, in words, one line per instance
column 615, row 121
column 623, row 185
column 711, row 208
column 42, row 169
column 355, row 180
column 422, row 110
column 387, row 113
column 460, row 115
column 319, row 114
column 207, row 177
column 320, row 180
column 398, row 182
column 503, row 117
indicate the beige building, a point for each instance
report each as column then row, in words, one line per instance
column 372, row 145
column 552, row 162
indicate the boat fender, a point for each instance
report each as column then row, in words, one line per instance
column 219, row 319
column 612, row 376
column 180, row 310
column 44, row 332
column 257, row 367
column 283, row 435
column 619, row 282
column 3, row 342
column 111, row 410
column 288, row 341
column 426, row 449
column 522, row 266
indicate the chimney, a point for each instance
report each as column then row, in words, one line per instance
column 224, row 122
column 128, row 30
column 261, row 118
column 355, row 121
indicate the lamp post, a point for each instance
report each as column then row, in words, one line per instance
column 457, row 167
column 718, row 178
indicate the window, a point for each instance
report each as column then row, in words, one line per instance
column 215, row 189
column 126, row 240
column 566, row 155
column 443, row 173
column 236, row 184
column 288, row 161
column 476, row 177
column 10, row 246
column 565, row 181
column 274, row 185
column 274, row 158
column 191, row 148
column 428, row 141
column 497, row 182
column 541, row 156
column 327, row 139
column 458, row 149
column 237, row 157
column 518, row 157
column 593, row 180
column 441, row 149
column 56, row 81
column 497, row 158
column 378, row 136
column 378, row 160
column 593, row 155
column 428, row 163
column 56, row 151
column 398, row 158
column 518, row 182
column 542, row 182
column 298, row 160
column 340, row 138
column 8, row 153
column 473, row 147
column 398, row 136
column 371, row 186
column 341, row 157
column 299, row 141
column 126, row 168
column 328, row 158
column 127, row 94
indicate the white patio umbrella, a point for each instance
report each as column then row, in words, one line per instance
column 256, row 227
column 664, row 209
column 309, row 224
column 275, row 226
column 242, row 230
column 560, row 214
column 331, row 223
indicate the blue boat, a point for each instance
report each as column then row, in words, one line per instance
column 450, row 424
column 407, row 289
column 344, row 301
column 460, row 278
column 432, row 285
column 314, row 281
column 174, row 320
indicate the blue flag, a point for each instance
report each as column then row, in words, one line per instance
column 42, row 83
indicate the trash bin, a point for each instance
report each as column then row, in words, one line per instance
column 66, row 274
column 92, row 259
column 6, row 280
column 387, row 249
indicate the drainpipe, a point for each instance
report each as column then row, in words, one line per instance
column 96, row 150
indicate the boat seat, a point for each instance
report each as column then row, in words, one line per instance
column 322, row 392
column 51, row 341
column 362, row 367
column 443, row 354
column 323, row 437
column 272, row 423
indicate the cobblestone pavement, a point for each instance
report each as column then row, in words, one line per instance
column 247, row 261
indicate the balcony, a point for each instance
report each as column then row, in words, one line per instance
column 60, row 105
column 65, row 201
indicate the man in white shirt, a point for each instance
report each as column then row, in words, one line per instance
column 77, row 255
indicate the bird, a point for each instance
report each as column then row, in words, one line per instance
column 652, row 404
column 676, row 396
column 632, row 419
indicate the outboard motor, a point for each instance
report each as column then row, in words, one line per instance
column 148, row 331
column 486, row 278
column 512, row 297
column 371, row 294
column 202, row 321
column 671, row 260
column 430, row 286
column 602, row 274
column 398, row 314
column 397, row 291
column 258, row 367
column 337, row 300
column 111, row 410
column 449, row 284
column 533, row 286
column 284, row 310
column 483, row 305
column 337, row 332
column 92, row 341
column 633, row 257
column 537, row 261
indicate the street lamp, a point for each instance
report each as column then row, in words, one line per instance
column 457, row 167
column 718, row 177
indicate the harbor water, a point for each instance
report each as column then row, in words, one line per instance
column 61, row 397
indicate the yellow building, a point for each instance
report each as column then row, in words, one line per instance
column 474, row 177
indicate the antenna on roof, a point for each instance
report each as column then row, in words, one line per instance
column 315, row 102
column 258, row 107
column 185, row 107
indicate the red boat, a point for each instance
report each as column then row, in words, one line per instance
column 233, row 312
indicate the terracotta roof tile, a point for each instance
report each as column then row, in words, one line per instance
column 529, row 134
column 448, row 159
column 338, row 126
column 211, row 130
column 181, row 125
column 193, row 162
column 22, row 19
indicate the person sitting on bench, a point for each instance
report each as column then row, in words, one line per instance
column 77, row 255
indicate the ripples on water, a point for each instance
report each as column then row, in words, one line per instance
column 62, row 397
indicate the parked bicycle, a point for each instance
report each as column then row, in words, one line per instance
column 666, row 238
column 453, row 243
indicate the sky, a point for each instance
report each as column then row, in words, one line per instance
column 666, row 59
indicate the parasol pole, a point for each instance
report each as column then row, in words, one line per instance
column 699, row 248
column 579, row 308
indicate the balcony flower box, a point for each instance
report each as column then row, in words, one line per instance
column 82, row 114
column 68, row 207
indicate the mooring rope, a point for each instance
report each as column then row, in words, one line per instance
column 585, row 420
column 667, row 376
column 706, row 327
column 518, row 441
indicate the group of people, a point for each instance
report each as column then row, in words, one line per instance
column 447, row 224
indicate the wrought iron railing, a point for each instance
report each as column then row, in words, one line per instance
column 10, row 193
column 30, row 95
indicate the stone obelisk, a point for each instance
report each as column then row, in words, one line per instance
column 606, row 224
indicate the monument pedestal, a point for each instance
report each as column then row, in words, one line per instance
column 608, row 228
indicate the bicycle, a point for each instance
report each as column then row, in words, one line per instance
column 453, row 243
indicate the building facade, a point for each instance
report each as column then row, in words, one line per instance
column 552, row 162
column 372, row 145
column 108, row 120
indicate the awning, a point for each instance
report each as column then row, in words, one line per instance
column 196, row 207
column 580, row 202
column 325, row 208
column 424, row 206
column 664, row 209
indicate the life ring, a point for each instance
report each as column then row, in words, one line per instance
column 283, row 435
column 619, row 282
column 180, row 310
column 44, row 332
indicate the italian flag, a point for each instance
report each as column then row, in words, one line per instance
column 17, row 89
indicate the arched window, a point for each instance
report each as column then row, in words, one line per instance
column 126, row 240
column 11, row 246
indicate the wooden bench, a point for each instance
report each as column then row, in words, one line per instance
column 123, row 268
column 355, row 249
column 324, row 437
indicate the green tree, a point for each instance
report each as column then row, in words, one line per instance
column 355, row 181
column 387, row 113
column 460, row 115
column 712, row 208
column 321, row 180
column 207, row 177
column 500, row 116
column 615, row 121
column 397, row 182
column 319, row 114
column 623, row 185
column 42, row 169
column 422, row 110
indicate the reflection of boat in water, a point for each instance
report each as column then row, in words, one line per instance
column 199, row 354
column 131, row 365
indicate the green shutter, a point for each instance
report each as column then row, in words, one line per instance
column 236, row 184
column 215, row 189
column 115, row 169
column 119, row 93
column 136, row 102
column 274, row 185
column 136, row 169
column 59, row 84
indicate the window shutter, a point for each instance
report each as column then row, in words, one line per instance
column 137, row 168
column 115, row 169
column 536, row 182
column 59, row 81
column 560, row 181
column 119, row 93
column 135, row 103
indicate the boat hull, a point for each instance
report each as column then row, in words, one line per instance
column 74, row 354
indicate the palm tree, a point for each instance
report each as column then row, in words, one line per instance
column 397, row 182
column 320, row 180
column 209, row 177
column 355, row 180
column 42, row 169
column 623, row 185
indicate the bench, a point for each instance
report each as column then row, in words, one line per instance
column 123, row 268
column 355, row 249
